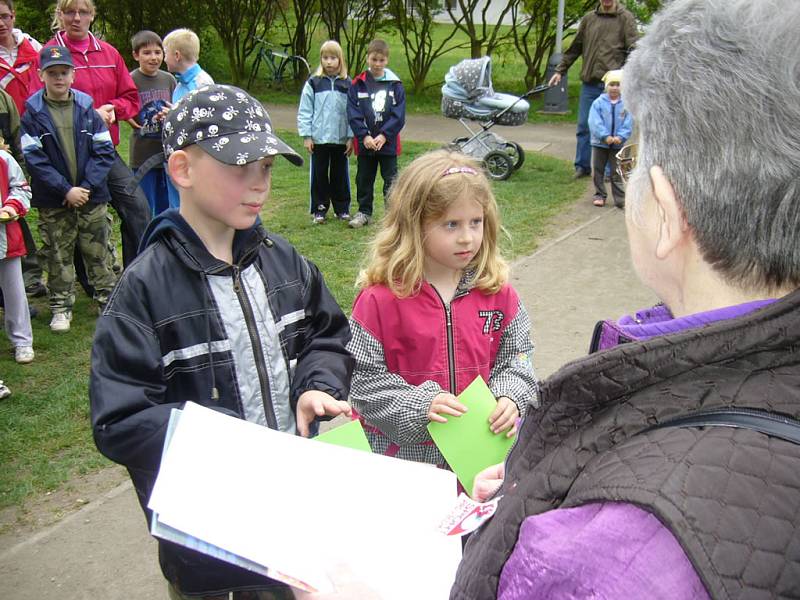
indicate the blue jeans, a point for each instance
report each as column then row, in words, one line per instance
column 583, row 151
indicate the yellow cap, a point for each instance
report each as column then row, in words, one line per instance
column 614, row 76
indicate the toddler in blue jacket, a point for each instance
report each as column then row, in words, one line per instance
column 610, row 127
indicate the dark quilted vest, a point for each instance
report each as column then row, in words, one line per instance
column 730, row 496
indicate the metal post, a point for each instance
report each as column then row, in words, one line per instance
column 555, row 98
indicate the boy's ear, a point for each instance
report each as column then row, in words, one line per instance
column 41, row 75
column 179, row 168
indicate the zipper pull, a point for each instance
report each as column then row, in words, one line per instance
column 237, row 282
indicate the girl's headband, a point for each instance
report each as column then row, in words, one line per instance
column 454, row 170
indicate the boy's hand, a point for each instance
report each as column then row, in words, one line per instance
column 162, row 114
column 76, row 197
column 107, row 113
column 505, row 415
column 487, row 482
column 369, row 142
column 309, row 144
column 348, row 147
column 313, row 404
column 445, row 403
column 379, row 141
column 132, row 122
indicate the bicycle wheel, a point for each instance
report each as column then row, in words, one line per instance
column 292, row 67
column 254, row 70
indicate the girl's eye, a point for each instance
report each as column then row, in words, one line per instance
column 450, row 224
column 477, row 222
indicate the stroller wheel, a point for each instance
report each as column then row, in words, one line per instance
column 498, row 165
column 515, row 153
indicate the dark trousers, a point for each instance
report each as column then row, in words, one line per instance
column 365, row 178
column 601, row 157
column 133, row 212
column 330, row 179
column 583, row 148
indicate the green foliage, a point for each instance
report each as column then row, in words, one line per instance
column 34, row 16
column 644, row 10
column 45, row 431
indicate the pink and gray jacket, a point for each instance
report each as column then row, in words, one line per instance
column 408, row 350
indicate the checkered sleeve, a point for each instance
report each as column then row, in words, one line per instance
column 386, row 400
column 512, row 374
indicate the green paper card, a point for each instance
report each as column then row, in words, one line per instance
column 349, row 435
column 466, row 442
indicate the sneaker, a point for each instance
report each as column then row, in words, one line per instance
column 60, row 322
column 319, row 219
column 581, row 173
column 23, row 354
column 36, row 290
column 345, row 216
column 360, row 220
column 4, row 391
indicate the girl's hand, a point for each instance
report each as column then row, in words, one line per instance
column 348, row 147
column 445, row 403
column 487, row 482
column 609, row 140
column 309, row 144
column 313, row 404
column 10, row 211
column 505, row 415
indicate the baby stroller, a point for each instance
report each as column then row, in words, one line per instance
column 468, row 94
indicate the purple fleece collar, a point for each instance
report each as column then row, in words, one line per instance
column 658, row 320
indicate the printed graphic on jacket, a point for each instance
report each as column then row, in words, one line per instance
column 152, row 102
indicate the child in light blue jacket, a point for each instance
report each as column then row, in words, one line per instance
column 610, row 126
column 322, row 123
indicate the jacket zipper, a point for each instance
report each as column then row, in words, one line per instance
column 252, row 330
column 451, row 355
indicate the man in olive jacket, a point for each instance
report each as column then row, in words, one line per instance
column 605, row 37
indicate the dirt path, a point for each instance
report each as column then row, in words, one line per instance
column 89, row 540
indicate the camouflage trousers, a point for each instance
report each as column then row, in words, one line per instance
column 61, row 229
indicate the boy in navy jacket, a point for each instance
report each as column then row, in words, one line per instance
column 217, row 311
column 376, row 109
column 68, row 153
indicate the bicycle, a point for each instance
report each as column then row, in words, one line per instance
column 282, row 65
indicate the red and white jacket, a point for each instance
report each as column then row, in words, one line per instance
column 20, row 80
column 101, row 73
column 14, row 192
column 408, row 350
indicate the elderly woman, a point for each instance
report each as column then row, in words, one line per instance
column 101, row 73
column 607, row 494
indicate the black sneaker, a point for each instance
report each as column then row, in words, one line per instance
column 581, row 173
column 319, row 219
column 36, row 290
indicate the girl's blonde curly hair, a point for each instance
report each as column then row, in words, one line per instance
column 424, row 191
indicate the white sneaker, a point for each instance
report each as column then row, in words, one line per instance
column 4, row 391
column 23, row 354
column 60, row 322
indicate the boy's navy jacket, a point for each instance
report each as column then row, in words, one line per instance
column 182, row 325
column 375, row 107
column 322, row 114
column 44, row 156
column 607, row 119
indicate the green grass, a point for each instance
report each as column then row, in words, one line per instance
column 45, row 437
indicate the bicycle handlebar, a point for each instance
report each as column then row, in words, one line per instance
column 268, row 44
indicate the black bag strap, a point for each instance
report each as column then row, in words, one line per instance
column 763, row 421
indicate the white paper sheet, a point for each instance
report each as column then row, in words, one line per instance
column 302, row 508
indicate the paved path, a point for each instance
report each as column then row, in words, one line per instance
column 581, row 273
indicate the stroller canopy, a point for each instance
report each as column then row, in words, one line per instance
column 468, row 92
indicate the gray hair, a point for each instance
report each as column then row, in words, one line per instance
column 714, row 87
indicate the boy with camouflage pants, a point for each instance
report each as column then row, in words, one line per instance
column 68, row 152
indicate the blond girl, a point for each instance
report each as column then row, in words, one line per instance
column 322, row 123
column 435, row 310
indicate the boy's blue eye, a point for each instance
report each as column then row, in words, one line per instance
column 451, row 224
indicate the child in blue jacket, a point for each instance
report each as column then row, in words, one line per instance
column 376, row 109
column 610, row 127
column 69, row 153
column 322, row 123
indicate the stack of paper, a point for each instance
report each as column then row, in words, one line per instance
column 270, row 500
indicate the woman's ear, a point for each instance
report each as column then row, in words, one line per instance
column 673, row 228
column 179, row 167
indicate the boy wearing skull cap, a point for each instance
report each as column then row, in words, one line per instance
column 218, row 311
